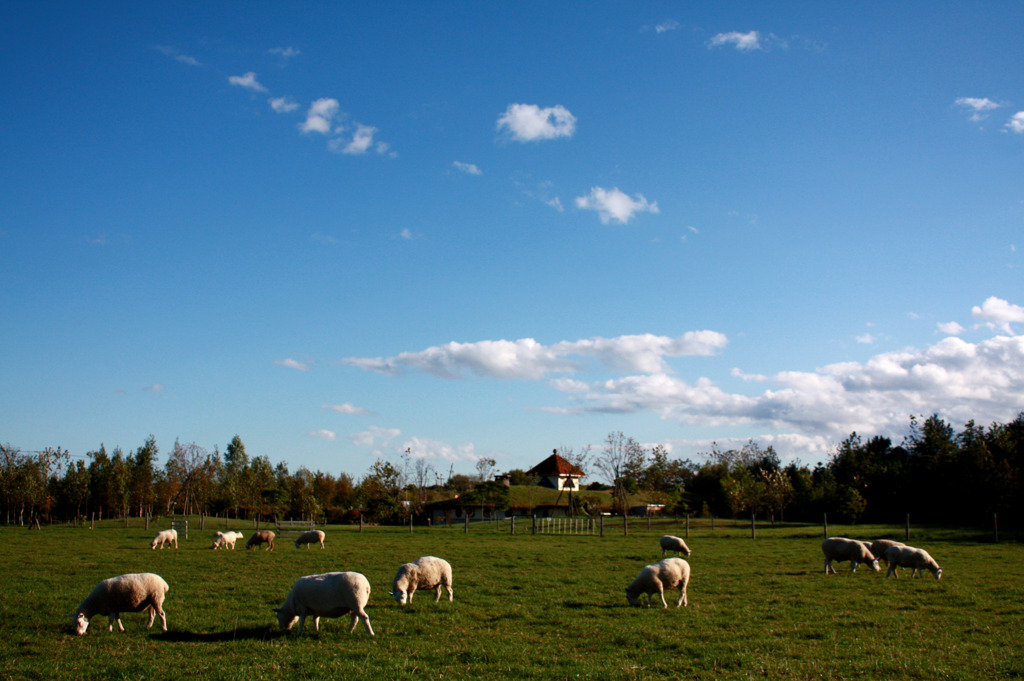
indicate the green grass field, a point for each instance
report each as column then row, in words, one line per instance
column 526, row 607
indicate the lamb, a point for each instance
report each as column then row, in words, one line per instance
column 908, row 556
column 880, row 546
column 310, row 537
column 225, row 539
column 165, row 537
column 261, row 537
column 840, row 548
column 428, row 572
column 670, row 543
column 331, row 594
column 669, row 573
column 134, row 592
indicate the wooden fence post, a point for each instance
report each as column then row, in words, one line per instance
column 824, row 523
column 147, row 521
column 410, row 523
column 712, row 521
column 92, row 522
column 995, row 526
column 908, row 528
column 360, row 523
column 625, row 525
column 466, row 531
column 648, row 521
column 602, row 525
column 687, row 525
column 513, row 524
column 753, row 531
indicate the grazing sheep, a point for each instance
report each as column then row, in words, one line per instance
column 908, row 556
column 670, row 573
column 261, row 537
column 165, row 537
column 225, row 539
column 670, row 543
column 840, row 548
column 310, row 537
column 328, row 595
column 427, row 572
column 880, row 546
column 127, row 593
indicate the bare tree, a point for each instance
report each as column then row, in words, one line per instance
column 484, row 468
column 620, row 461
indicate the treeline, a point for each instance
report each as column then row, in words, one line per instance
column 936, row 473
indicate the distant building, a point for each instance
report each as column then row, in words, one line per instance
column 557, row 473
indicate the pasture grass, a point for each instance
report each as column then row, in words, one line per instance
column 526, row 607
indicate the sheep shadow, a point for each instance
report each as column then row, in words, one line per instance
column 265, row 633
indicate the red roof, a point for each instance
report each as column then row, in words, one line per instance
column 555, row 465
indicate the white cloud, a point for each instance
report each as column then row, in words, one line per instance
column 612, row 204
column 283, row 104
column 155, row 388
column 423, row 448
column 950, row 328
column 324, row 434
column 744, row 42
column 176, row 56
column 284, row 52
column 556, row 203
column 320, row 116
column 529, row 122
column 361, row 140
column 468, row 168
column 292, row 364
column 346, row 408
column 528, row 359
column 406, row 234
column 865, row 339
column 978, row 106
column 248, row 81
column 998, row 314
column 1016, row 123
column 665, row 26
column 375, row 437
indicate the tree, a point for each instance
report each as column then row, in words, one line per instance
column 381, row 488
column 621, row 461
column 235, row 474
column 484, row 468
column 142, row 476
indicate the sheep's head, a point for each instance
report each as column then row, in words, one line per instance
column 874, row 565
column 938, row 573
column 81, row 623
column 401, row 596
column 284, row 619
column 633, row 598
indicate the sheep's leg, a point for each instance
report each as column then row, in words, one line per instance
column 163, row 619
column 316, row 623
column 439, row 587
column 366, row 621
column 152, row 616
column 682, row 597
column 302, row 622
column 661, row 592
column 451, row 593
column 853, row 565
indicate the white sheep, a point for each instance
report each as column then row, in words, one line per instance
column 165, row 537
column 908, row 556
column 428, row 572
column 840, row 548
column 670, row 573
column 670, row 543
column 225, row 539
column 331, row 594
column 880, row 546
column 310, row 537
column 127, row 593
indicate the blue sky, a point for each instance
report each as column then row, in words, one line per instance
column 491, row 229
